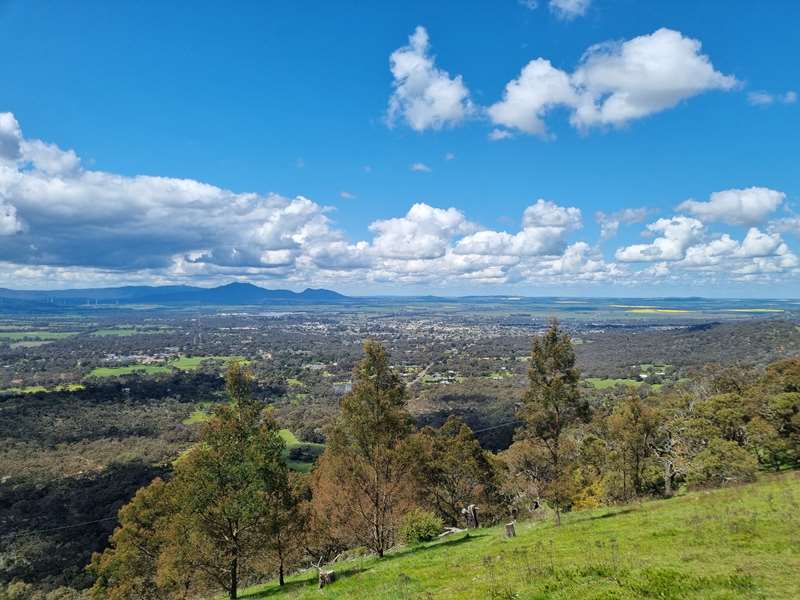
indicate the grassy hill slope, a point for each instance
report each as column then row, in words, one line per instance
column 739, row 542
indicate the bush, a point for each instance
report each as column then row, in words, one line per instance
column 420, row 526
column 722, row 462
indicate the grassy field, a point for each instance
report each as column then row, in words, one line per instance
column 602, row 384
column 183, row 363
column 128, row 370
column 291, row 441
column 722, row 544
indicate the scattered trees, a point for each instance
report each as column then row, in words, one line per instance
column 226, row 507
column 232, row 509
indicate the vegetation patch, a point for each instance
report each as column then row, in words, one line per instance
column 619, row 553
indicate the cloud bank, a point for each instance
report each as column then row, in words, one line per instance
column 62, row 224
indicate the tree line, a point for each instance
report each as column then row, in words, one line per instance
column 232, row 513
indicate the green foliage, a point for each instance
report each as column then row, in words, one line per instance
column 225, row 509
column 363, row 479
column 454, row 471
column 724, row 462
column 419, row 526
column 552, row 405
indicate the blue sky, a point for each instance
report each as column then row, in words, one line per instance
column 264, row 131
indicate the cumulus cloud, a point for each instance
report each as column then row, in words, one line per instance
column 645, row 75
column 424, row 232
column 748, row 206
column 10, row 137
column 528, row 98
column 419, row 167
column 569, row 9
column 609, row 223
column 545, row 226
column 425, row 96
column 64, row 224
column 347, row 195
column 614, row 83
column 677, row 235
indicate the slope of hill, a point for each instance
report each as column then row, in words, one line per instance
column 730, row 543
column 231, row 294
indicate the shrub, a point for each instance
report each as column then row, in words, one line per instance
column 420, row 526
column 722, row 462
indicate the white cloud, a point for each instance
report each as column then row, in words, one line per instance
column 545, row 226
column 62, row 224
column 425, row 96
column 449, row 156
column 10, row 137
column 499, row 134
column 609, row 223
column 9, row 222
column 419, row 167
column 762, row 98
column 619, row 82
column 736, row 206
column 528, row 98
column 347, row 195
column 424, row 232
column 677, row 235
column 569, row 9
column 49, row 158
column 615, row 83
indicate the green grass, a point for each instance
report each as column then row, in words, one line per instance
column 183, row 363
column 35, row 335
column 288, row 437
column 128, row 370
column 201, row 414
column 192, row 363
column 722, row 544
column 291, row 441
column 602, row 384
column 292, row 382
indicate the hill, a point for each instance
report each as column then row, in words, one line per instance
column 728, row 543
column 231, row 294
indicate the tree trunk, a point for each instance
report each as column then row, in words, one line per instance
column 667, row 479
column 233, row 591
column 558, row 516
column 280, row 574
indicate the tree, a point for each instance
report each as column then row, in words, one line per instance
column 551, row 406
column 722, row 462
column 130, row 570
column 454, row 471
column 362, row 482
column 220, row 515
column 632, row 428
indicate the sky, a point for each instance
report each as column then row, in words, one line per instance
column 550, row 147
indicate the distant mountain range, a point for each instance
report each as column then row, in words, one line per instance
column 230, row 294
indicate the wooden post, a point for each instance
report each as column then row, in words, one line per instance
column 510, row 531
column 326, row 578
